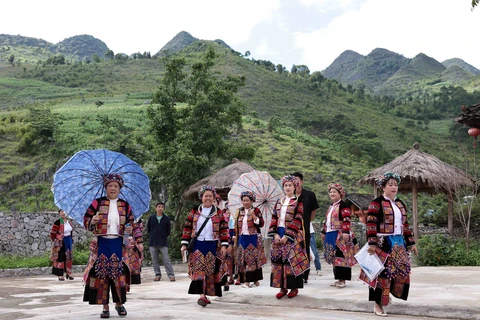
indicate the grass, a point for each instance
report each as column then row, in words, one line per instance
column 80, row 257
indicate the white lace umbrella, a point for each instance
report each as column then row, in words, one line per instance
column 267, row 191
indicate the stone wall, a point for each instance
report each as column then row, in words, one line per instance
column 28, row 234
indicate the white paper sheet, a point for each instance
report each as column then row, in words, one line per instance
column 370, row 263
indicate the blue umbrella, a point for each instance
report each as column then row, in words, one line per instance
column 80, row 181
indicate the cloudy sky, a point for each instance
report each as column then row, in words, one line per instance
column 310, row 32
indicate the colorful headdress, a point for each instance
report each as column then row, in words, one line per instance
column 249, row 194
column 338, row 187
column 112, row 177
column 292, row 179
column 206, row 188
column 382, row 180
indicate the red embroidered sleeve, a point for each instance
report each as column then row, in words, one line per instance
column 224, row 235
column 188, row 228
column 297, row 223
column 372, row 220
column 258, row 213
column 272, row 230
column 91, row 211
column 346, row 216
column 54, row 231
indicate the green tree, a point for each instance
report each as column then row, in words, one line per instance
column 189, row 138
column 109, row 55
column 96, row 58
column 41, row 126
column 11, row 59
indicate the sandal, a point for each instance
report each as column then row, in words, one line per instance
column 61, row 279
column 105, row 314
column 70, row 277
column 121, row 310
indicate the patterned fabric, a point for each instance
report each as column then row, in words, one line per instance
column 100, row 207
column 380, row 219
column 106, row 267
column 395, row 279
column 289, row 260
column 250, row 257
column 112, row 177
column 219, row 225
column 204, row 268
column 61, row 254
column 340, row 219
column 106, row 272
column 206, row 188
column 382, row 180
column 133, row 257
column 292, row 179
column 253, row 228
column 338, row 187
column 249, row 194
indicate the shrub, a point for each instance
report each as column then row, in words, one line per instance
column 439, row 250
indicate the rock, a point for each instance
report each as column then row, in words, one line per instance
column 34, row 246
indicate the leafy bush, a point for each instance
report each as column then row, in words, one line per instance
column 439, row 250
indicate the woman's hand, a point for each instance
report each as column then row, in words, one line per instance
column 95, row 219
column 276, row 238
column 371, row 249
column 414, row 250
column 283, row 240
column 223, row 251
column 140, row 247
column 346, row 237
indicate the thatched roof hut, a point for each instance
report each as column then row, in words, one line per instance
column 358, row 204
column 422, row 172
column 222, row 180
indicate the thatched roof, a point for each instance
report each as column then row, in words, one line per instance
column 430, row 173
column 470, row 116
column 361, row 201
column 222, row 180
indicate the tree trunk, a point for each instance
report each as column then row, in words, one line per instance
column 415, row 210
column 450, row 214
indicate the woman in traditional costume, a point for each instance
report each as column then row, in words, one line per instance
column 207, row 227
column 388, row 233
column 109, row 218
column 250, row 255
column 134, row 255
column 62, row 248
column 339, row 241
column 230, row 258
column 288, row 256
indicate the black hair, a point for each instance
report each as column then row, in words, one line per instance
column 298, row 175
column 160, row 203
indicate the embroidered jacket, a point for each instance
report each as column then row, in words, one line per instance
column 253, row 228
column 380, row 219
column 101, row 206
column 58, row 229
column 293, row 219
column 219, row 227
column 340, row 218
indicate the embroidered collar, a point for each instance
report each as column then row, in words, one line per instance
column 210, row 214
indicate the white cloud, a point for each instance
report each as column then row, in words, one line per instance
column 442, row 29
column 310, row 32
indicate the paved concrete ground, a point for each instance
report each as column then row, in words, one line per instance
column 442, row 292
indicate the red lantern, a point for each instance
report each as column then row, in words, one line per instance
column 474, row 132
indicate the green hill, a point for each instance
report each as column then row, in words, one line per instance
column 306, row 123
